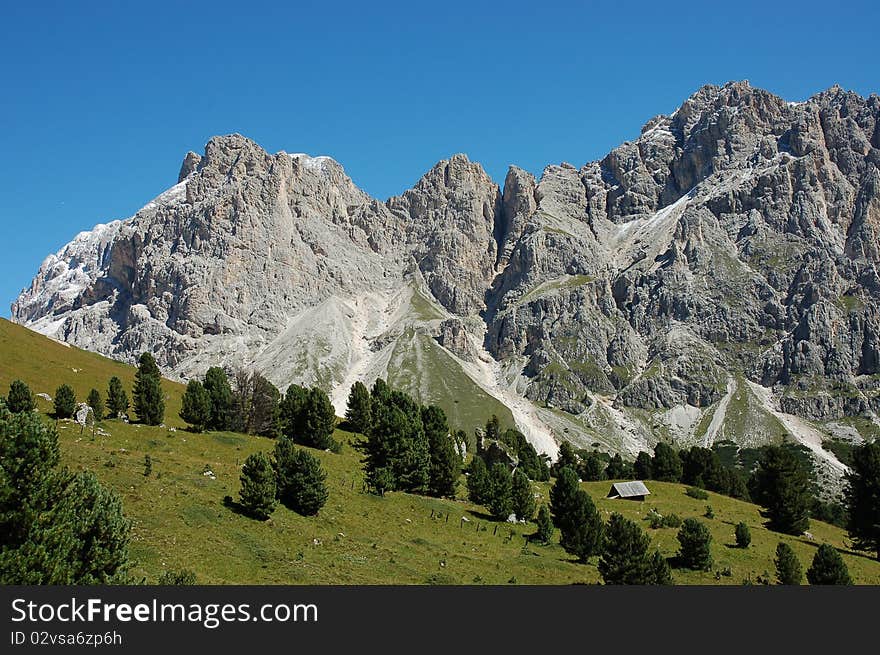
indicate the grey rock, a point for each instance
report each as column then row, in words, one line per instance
column 733, row 239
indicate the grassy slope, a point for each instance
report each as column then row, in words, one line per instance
column 45, row 365
column 179, row 519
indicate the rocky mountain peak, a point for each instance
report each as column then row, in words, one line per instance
column 713, row 279
column 189, row 165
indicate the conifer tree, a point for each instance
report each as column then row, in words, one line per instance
column 788, row 567
column 863, row 497
column 660, row 572
column 149, row 404
column 397, row 454
column 642, row 466
column 445, row 466
column 264, row 407
column 493, row 428
column 317, row 421
column 625, row 558
column 666, row 464
column 782, row 486
column 582, row 532
column 695, row 540
column 522, row 496
column 65, row 401
column 380, row 392
column 743, row 535
column 20, row 398
column 96, row 403
column 300, row 478
column 117, row 399
column 55, row 527
column 478, row 481
column 258, row 489
column 617, row 469
column 828, row 568
column 291, row 407
column 220, row 391
column 592, row 467
column 500, row 485
column 545, row 525
column 562, row 497
column 358, row 413
column 567, row 458
column 196, row 406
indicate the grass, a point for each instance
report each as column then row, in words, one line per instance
column 180, row 520
column 550, row 286
column 45, row 365
column 747, row 421
column 422, row 308
column 422, row 368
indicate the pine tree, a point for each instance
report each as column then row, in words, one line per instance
column 522, row 496
column 358, row 414
column 743, row 535
column 264, row 408
column 788, row 568
column 379, row 393
column 666, row 464
column 863, row 497
column 701, row 467
column 617, row 469
column 567, row 459
column 219, row 390
column 196, row 406
column 545, row 525
column 56, row 527
column 828, row 568
column 397, row 454
column 96, row 403
column 499, row 501
column 493, row 428
column 659, row 570
column 625, row 558
column 782, row 486
column 149, row 404
column 529, row 462
column 582, row 532
column 300, row 478
column 20, row 398
column 258, row 488
column 445, row 465
column 28, row 454
column 642, row 467
column 65, row 401
column 317, row 421
column 592, row 468
column 562, row 497
column 478, row 481
column 695, row 541
column 117, row 399
column 291, row 407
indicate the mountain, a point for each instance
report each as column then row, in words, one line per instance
column 714, row 279
column 179, row 520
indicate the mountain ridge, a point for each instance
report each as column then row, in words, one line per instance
column 732, row 243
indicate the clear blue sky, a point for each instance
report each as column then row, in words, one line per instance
column 100, row 101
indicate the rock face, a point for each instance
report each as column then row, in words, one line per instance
column 725, row 258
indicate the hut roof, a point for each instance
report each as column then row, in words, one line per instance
column 628, row 489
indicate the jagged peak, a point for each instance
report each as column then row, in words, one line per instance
column 453, row 172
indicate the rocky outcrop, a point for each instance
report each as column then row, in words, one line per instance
column 735, row 239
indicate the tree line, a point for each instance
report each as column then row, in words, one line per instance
column 149, row 400
column 406, row 446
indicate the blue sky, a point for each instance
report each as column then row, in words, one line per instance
column 101, row 101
